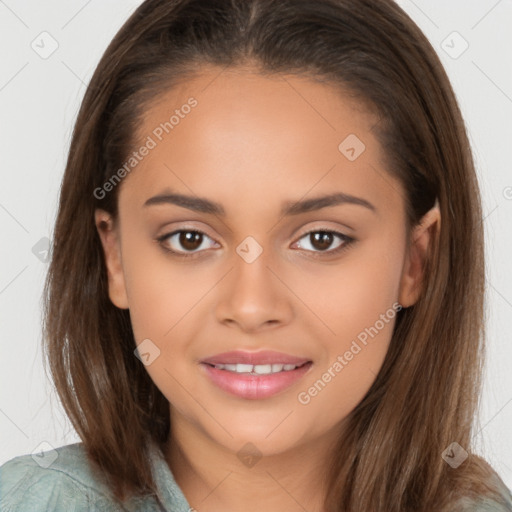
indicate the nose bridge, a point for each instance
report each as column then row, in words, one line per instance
column 252, row 273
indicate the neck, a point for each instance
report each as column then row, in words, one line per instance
column 214, row 478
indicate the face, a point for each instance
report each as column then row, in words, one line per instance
column 223, row 245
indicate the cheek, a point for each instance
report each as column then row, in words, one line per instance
column 164, row 296
column 358, row 303
column 352, row 295
column 161, row 290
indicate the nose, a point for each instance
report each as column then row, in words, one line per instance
column 253, row 296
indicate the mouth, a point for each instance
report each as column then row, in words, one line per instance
column 257, row 369
column 255, row 375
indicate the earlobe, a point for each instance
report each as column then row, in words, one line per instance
column 421, row 242
column 112, row 251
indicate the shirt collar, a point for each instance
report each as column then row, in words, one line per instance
column 170, row 495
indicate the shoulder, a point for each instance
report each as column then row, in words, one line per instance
column 57, row 479
column 500, row 503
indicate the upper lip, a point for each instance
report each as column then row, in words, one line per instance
column 255, row 358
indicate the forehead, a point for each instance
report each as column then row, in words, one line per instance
column 266, row 135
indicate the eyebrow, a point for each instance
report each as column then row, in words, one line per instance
column 203, row 205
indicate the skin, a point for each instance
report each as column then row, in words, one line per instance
column 252, row 143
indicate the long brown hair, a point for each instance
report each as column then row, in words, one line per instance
column 426, row 395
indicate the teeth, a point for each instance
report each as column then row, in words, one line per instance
column 262, row 369
column 241, row 368
column 259, row 369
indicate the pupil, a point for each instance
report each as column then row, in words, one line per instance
column 322, row 240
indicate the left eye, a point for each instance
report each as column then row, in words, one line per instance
column 323, row 239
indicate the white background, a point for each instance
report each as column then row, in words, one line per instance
column 39, row 100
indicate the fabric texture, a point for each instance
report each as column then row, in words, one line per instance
column 70, row 484
column 484, row 504
column 63, row 480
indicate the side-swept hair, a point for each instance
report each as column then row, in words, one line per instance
column 426, row 395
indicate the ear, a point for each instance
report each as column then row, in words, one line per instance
column 421, row 241
column 112, row 250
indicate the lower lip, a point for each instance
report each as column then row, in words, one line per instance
column 254, row 387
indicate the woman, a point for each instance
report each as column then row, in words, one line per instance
column 266, row 286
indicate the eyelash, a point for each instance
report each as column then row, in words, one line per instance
column 348, row 241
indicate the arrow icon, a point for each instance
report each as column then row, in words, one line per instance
column 454, row 455
column 147, row 352
column 454, row 45
column 249, row 455
column 44, row 44
column 41, row 250
column 351, row 147
column 44, row 454
column 249, row 253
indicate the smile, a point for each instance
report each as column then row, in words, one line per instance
column 257, row 369
column 254, row 375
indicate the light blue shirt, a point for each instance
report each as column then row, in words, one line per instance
column 67, row 483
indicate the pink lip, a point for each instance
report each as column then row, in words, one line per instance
column 252, row 386
column 263, row 357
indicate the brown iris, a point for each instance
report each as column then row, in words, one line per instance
column 322, row 240
column 190, row 240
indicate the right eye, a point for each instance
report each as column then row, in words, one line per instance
column 191, row 240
